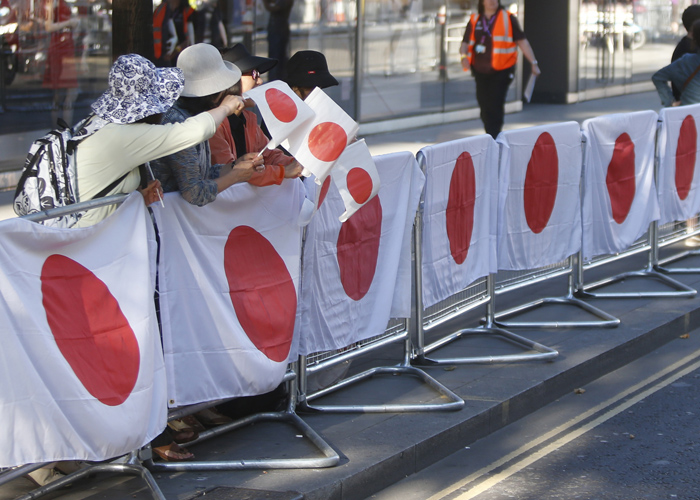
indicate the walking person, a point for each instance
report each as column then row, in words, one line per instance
column 489, row 49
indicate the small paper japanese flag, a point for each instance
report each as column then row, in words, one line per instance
column 320, row 143
column 356, row 177
column 282, row 110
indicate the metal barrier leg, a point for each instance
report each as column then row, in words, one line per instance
column 677, row 289
column 454, row 402
column 604, row 320
column 541, row 352
column 330, row 457
column 659, row 264
column 489, row 328
column 130, row 466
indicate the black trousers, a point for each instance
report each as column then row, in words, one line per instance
column 491, row 90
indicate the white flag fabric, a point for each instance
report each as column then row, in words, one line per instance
column 81, row 361
column 620, row 198
column 282, row 110
column 356, row 177
column 539, row 216
column 318, row 144
column 679, row 179
column 357, row 275
column 228, row 280
column 459, row 215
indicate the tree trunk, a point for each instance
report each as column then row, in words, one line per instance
column 132, row 28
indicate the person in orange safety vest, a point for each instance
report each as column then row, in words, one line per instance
column 489, row 49
column 173, row 30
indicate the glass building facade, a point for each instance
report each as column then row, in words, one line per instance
column 395, row 59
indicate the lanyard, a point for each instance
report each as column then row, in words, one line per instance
column 486, row 26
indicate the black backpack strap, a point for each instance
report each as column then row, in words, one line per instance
column 110, row 187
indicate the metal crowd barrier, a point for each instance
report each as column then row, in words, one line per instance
column 479, row 293
column 128, row 464
column 648, row 243
column 396, row 331
column 508, row 281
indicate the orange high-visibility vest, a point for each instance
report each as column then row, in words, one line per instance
column 504, row 51
column 158, row 18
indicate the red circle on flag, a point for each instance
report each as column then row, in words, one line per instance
column 358, row 249
column 686, row 153
column 359, row 185
column 324, row 190
column 327, row 141
column 541, row 183
column 262, row 291
column 460, row 207
column 620, row 178
column 90, row 329
column 281, row 105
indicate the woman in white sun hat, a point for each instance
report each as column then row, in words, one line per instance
column 125, row 130
column 190, row 171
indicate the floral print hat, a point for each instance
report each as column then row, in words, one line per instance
column 138, row 89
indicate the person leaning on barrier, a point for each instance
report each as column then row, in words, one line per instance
column 241, row 133
column 684, row 73
column 127, row 132
column 685, row 45
column 489, row 49
column 190, row 171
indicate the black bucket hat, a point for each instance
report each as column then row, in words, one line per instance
column 239, row 55
column 308, row 69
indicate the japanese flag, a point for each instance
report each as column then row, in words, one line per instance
column 356, row 177
column 81, row 361
column 229, row 273
column 679, row 179
column 620, row 199
column 282, row 110
column 459, row 215
column 319, row 144
column 357, row 274
column 539, row 215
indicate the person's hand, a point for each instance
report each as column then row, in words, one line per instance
column 465, row 62
column 233, row 104
column 249, row 103
column 293, row 170
column 536, row 70
column 245, row 166
column 152, row 192
column 676, row 103
column 170, row 45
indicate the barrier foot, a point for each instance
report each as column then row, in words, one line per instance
column 675, row 258
column 330, row 458
column 542, row 352
column 605, row 320
column 134, row 469
column 678, row 289
column 455, row 402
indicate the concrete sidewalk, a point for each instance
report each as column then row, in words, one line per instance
column 377, row 450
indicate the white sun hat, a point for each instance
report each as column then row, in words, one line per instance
column 206, row 73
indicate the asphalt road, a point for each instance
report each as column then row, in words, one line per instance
column 631, row 435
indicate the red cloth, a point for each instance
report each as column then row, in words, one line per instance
column 61, row 71
column 223, row 150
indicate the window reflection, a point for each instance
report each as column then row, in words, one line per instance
column 55, row 60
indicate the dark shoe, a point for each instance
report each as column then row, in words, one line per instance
column 211, row 417
column 182, row 433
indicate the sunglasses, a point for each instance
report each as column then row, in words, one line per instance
column 254, row 74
